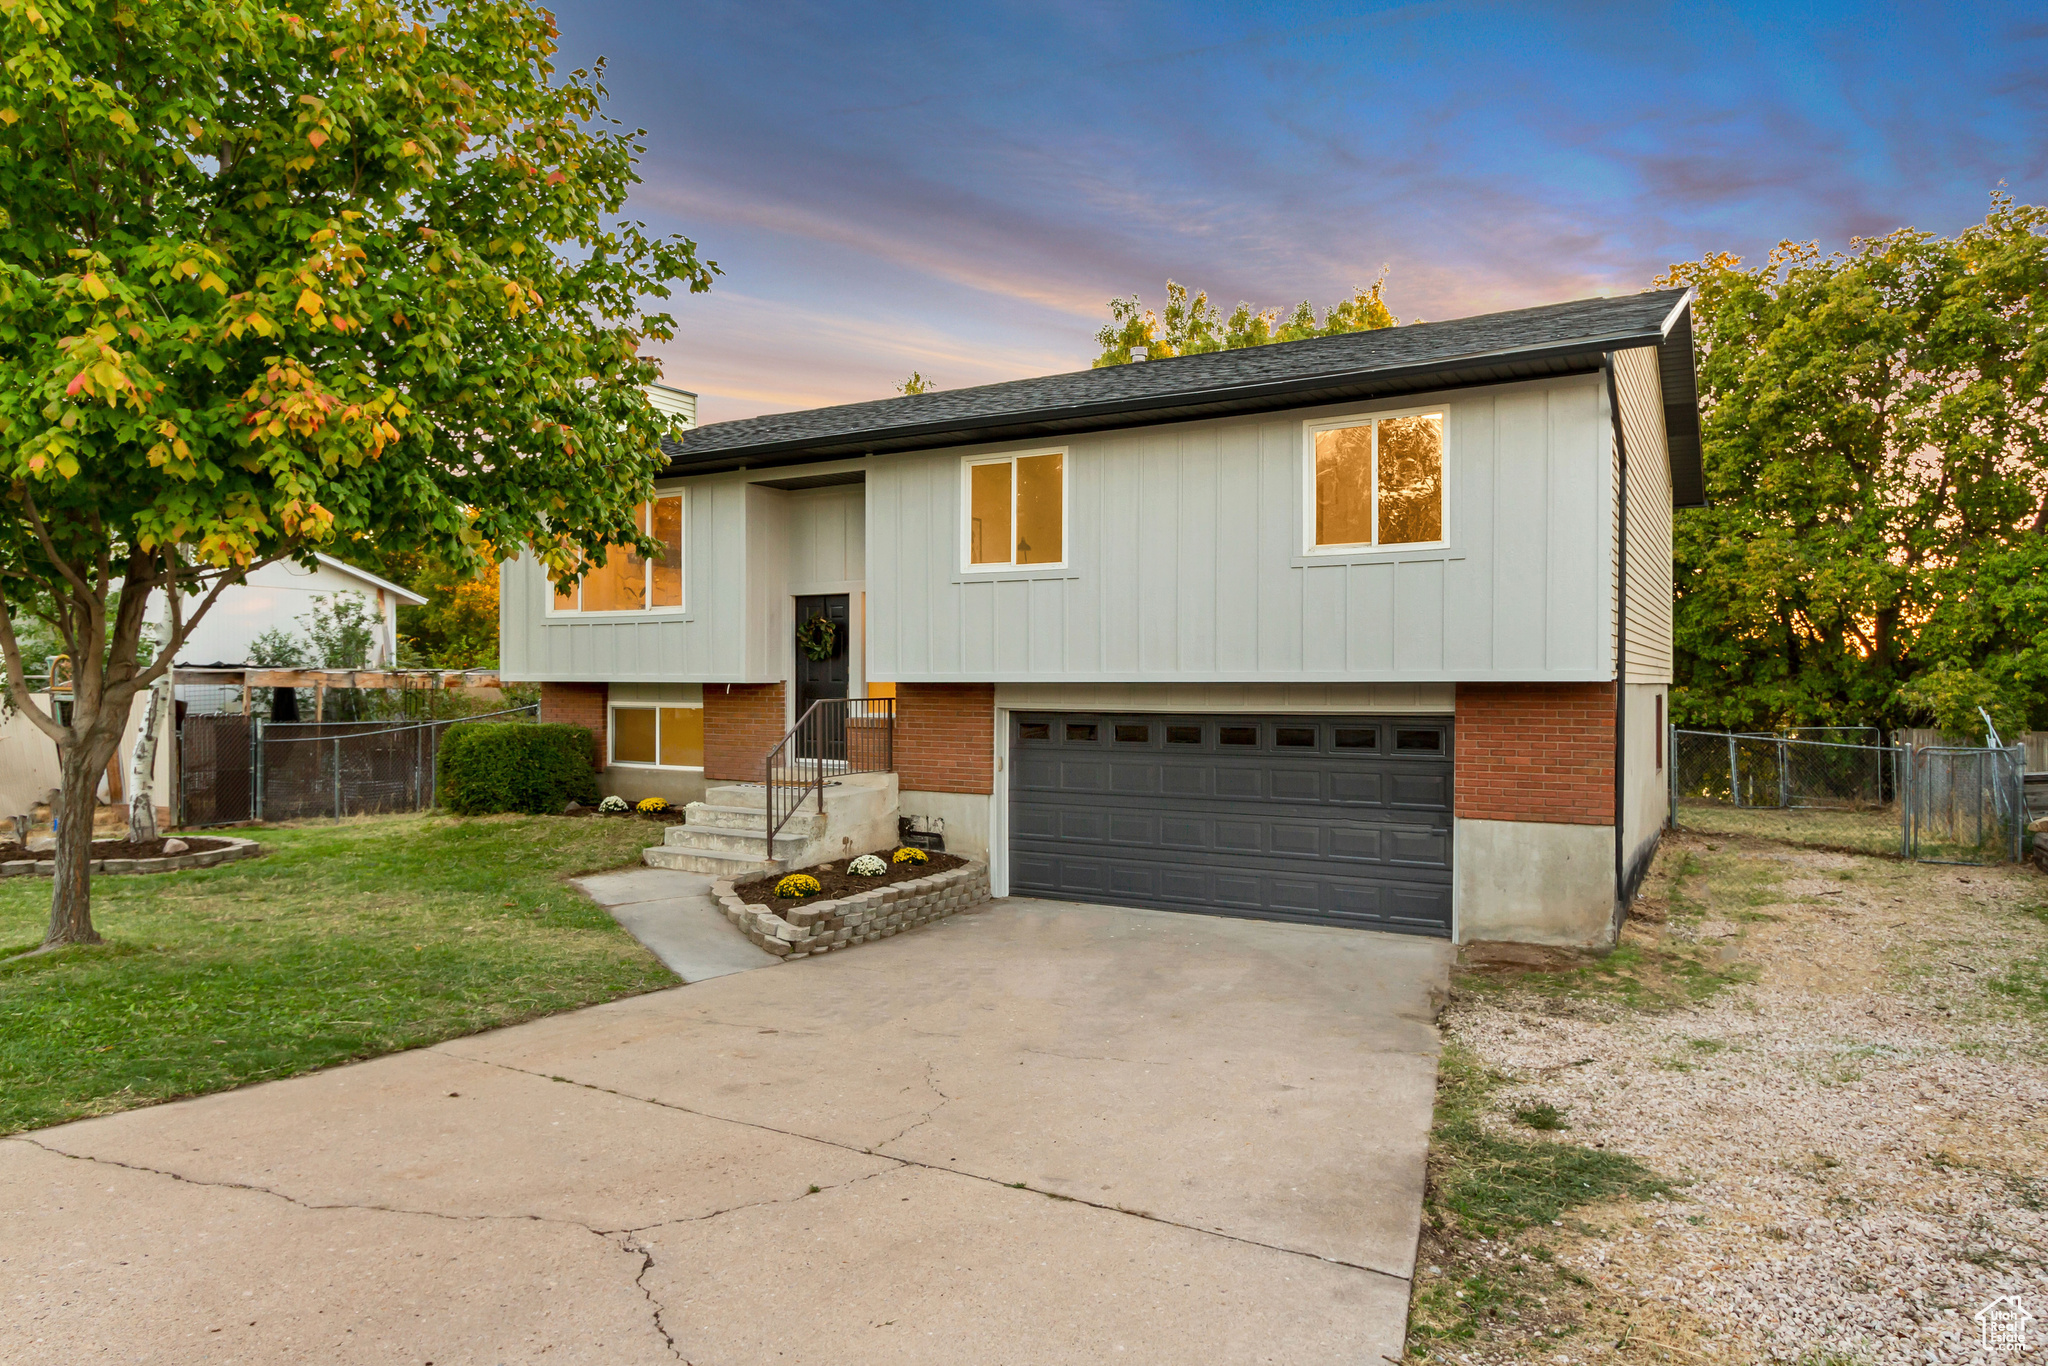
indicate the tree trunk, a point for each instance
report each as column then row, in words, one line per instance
column 142, row 802
column 82, row 764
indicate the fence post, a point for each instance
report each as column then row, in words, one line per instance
column 1734, row 777
column 1671, row 775
column 256, row 778
column 337, row 777
column 1784, row 776
column 1902, row 788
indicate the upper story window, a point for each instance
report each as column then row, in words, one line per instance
column 1376, row 482
column 626, row 582
column 1016, row 511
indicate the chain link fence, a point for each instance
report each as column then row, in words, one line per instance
column 233, row 769
column 1936, row 804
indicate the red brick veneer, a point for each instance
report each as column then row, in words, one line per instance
column 946, row 737
column 578, row 704
column 742, row 722
column 1536, row 752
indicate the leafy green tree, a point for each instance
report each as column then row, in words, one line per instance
column 1876, row 551
column 1191, row 325
column 287, row 275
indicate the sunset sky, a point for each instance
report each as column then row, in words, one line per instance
column 957, row 189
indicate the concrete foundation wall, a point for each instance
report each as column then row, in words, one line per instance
column 679, row 786
column 1534, row 882
column 1646, row 779
column 966, row 815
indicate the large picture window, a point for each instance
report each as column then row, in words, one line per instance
column 626, row 582
column 658, row 737
column 1376, row 482
column 1017, row 511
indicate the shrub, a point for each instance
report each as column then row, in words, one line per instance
column 797, row 886
column 652, row 805
column 489, row 766
column 909, row 855
column 867, row 865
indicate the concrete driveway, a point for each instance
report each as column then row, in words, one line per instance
column 1032, row 1133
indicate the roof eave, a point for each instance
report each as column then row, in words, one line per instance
column 1227, row 401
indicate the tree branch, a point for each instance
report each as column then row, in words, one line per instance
column 17, row 682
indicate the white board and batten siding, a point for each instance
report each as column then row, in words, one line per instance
column 746, row 550
column 1185, row 563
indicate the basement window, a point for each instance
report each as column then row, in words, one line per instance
column 626, row 582
column 1016, row 512
column 657, row 737
column 1375, row 482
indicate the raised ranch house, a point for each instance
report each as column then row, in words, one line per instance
column 1370, row 630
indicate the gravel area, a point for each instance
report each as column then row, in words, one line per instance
column 1862, row 1130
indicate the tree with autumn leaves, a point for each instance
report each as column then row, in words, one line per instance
column 278, row 278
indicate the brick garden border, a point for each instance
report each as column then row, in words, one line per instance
column 171, row 863
column 821, row 926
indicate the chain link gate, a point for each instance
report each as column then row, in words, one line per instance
column 1936, row 805
column 233, row 768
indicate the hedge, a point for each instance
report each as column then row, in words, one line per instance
column 489, row 766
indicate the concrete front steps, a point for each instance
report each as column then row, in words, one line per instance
column 726, row 833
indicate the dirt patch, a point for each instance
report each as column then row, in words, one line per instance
column 194, row 844
column 837, row 882
column 673, row 816
column 1839, row 1064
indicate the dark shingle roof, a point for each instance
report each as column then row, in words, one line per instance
column 1493, row 348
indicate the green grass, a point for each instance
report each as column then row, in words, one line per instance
column 1499, row 1183
column 344, row 942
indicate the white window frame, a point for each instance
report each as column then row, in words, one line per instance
column 611, row 728
column 1309, row 546
column 1010, row 566
column 642, row 613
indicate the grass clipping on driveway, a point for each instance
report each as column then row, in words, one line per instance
column 346, row 941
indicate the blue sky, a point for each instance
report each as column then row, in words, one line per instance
column 957, row 189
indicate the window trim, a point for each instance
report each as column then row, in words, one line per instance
column 611, row 750
column 1010, row 566
column 1353, row 549
column 673, row 611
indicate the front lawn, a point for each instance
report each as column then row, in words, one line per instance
column 344, row 942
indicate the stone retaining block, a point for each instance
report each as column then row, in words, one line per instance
column 236, row 849
column 820, row 926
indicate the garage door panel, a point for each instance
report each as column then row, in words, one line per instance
column 1130, row 828
column 1239, row 782
column 1428, row 848
column 1126, row 776
column 1431, row 790
column 1298, row 840
column 1361, row 788
column 1317, row 819
column 1292, row 786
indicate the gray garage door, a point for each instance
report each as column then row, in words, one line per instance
column 1328, row 820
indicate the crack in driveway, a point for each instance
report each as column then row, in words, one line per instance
column 1400, row 1277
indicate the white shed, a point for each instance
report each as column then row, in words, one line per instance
column 277, row 595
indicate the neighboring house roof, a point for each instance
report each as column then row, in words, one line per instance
column 404, row 595
column 1494, row 348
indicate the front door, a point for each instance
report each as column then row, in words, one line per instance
column 823, row 679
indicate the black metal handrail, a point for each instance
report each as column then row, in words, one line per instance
column 834, row 737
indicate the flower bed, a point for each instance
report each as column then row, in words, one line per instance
column 835, row 882
column 127, row 856
column 819, row 924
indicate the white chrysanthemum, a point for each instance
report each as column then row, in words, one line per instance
column 867, row 865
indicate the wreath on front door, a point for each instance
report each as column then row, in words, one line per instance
column 818, row 638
